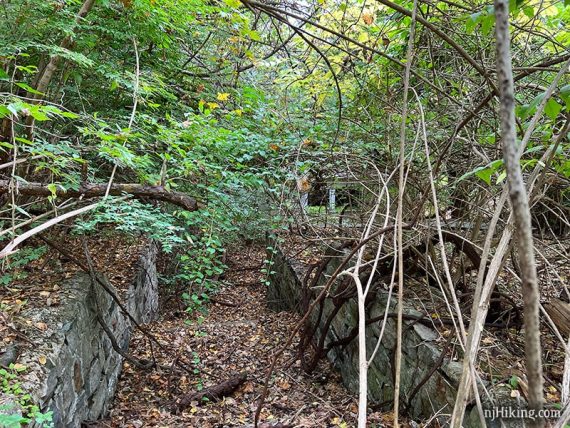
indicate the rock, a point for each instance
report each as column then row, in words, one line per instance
column 421, row 349
column 9, row 355
column 79, row 378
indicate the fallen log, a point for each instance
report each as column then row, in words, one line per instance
column 559, row 311
column 87, row 190
column 212, row 393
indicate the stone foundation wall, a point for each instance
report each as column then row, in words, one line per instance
column 81, row 369
column 421, row 350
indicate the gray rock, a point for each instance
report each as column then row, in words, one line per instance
column 80, row 376
column 421, row 349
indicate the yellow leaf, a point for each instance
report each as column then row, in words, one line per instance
column 42, row 359
column 223, row 96
column 238, row 112
column 19, row 367
column 212, row 106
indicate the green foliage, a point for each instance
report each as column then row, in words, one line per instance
column 11, row 270
column 233, row 139
column 135, row 218
column 268, row 262
column 26, row 412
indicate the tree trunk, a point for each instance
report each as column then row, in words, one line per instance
column 47, row 74
column 521, row 210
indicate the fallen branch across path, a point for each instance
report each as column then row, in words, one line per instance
column 158, row 193
column 213, row 393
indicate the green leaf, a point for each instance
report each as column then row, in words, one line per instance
column 501, row 177
column 28, row 88
column 3, row 75
column 514, row 5
column 528, row 11
column 484, row 172
column 4, row 111
column 523, row 111
column 485, row 175
column 487, row 24
column 233, row 3
column 565, row 95
column 536, row 101
column 23, row 140
column 53, row 189
column 552, row 108
column 69, row 115
column 254, row 35
column 39, row 115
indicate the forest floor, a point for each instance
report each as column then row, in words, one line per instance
column 234, row 333
column 237, row 334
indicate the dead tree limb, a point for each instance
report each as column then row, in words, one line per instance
column 213, row 393
column 87, row 190
column 559, row 311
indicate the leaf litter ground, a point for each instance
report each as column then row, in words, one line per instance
column 237, row 334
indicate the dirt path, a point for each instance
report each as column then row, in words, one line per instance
column 238, row 334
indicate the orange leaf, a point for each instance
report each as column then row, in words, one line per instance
column 41, row 326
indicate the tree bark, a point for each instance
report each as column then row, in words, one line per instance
column 45, row 77
column 559, row 311
column 158, row 193
column 520, row 207
column 213, row 393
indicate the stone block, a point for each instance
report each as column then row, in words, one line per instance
column 421, row 348
column 80, row 377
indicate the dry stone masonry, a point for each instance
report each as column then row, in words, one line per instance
column 81, row 369
column 421, row 351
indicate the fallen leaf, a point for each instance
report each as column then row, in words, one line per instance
column 41, row 326
column 283, row 384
